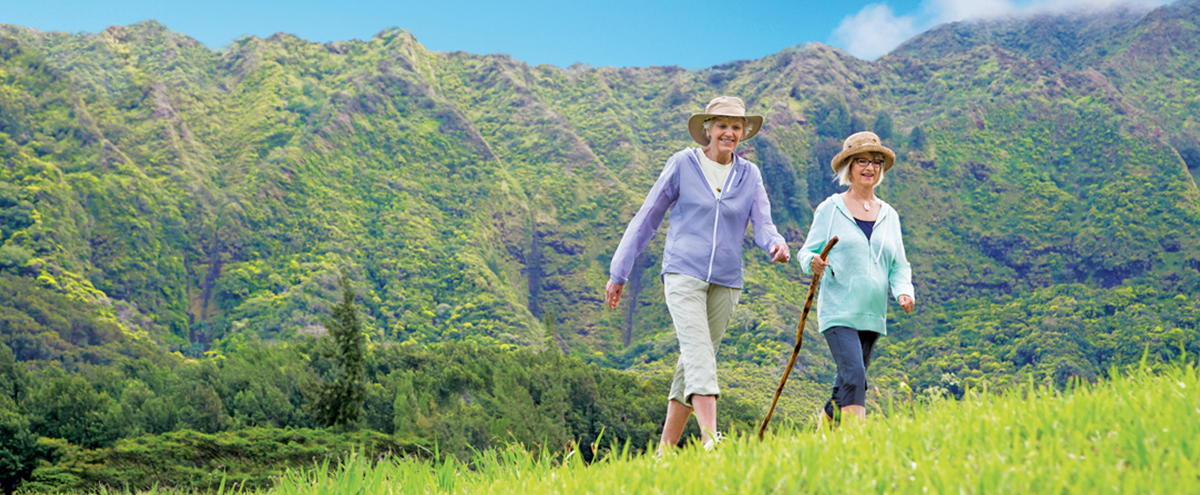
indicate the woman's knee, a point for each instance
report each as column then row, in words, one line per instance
column 854, row 380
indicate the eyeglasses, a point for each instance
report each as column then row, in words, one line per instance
column 862, row 162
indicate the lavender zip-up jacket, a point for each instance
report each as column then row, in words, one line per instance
column 704, row 236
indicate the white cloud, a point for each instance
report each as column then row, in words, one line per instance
column 876, row 29
column 940, row 11
column 961, row 10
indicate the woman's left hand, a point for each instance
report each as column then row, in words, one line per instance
column 907, row 304
column 780, row 253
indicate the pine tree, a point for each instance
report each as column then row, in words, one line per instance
column 787, row 192
column 833, row 119
column 884, row 126
column 917, row 139
column 858, row 124
column 341, row 399
column 12, row 377
column 18, row 452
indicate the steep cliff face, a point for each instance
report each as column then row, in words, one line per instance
column 480, row 198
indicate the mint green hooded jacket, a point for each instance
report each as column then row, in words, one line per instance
column 854, row 286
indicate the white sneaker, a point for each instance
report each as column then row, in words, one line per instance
column 713, row 440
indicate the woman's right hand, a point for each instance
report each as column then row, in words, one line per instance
column 612, row 294
column 818, row 265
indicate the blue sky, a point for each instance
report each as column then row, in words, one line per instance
column 616, row 32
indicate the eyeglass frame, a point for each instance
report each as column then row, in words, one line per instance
column 865, row 161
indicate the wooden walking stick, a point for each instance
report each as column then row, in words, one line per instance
column 812, row 290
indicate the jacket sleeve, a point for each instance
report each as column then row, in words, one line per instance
column 818, row 235
column 643, row 226
column 765, row 233
column 900, row 272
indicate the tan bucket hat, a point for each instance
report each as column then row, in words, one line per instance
column 863, row 142
column 723, row 106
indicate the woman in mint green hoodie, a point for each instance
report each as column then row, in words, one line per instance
column 867, row 261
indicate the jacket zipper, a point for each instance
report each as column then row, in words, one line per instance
column 716, row 219
column 860, row 232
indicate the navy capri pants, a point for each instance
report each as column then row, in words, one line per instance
column 851, row 350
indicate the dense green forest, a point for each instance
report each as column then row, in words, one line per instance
column 126, row 415
column 174, row 223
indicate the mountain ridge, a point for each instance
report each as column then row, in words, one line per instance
column 211, row 194
column 174, row 223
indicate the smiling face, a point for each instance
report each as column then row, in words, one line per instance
column 725, row 133
column 866, row 169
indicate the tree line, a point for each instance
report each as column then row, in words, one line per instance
column 257, row 408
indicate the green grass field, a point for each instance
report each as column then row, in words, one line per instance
column 1134, row 434
column 1138, row 433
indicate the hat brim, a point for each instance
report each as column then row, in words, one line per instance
column 696, row 126
column 889, row 156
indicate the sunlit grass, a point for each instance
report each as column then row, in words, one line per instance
column 1138, row 433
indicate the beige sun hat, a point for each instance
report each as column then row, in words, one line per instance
column 863, row 142
column 723, row 106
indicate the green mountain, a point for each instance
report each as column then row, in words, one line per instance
column 186, row 199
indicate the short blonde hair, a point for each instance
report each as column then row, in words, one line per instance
column 843, row 173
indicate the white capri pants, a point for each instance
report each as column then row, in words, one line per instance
column 700, row 312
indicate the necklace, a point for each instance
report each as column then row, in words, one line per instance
column 866, row 204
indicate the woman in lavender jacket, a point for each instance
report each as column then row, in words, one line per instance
column 712, row 195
